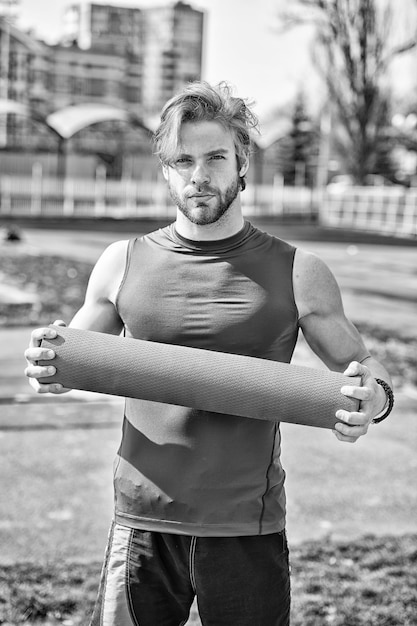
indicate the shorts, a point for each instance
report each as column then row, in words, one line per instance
column 151, row 579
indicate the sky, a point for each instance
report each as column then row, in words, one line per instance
column 242, row 46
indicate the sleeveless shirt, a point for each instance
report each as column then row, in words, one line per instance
column 188, row 471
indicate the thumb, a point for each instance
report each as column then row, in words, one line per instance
column 357, row 369
column 59, row 323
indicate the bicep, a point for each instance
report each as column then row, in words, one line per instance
column 321, row 315
column 99, row 311
column 99, row 315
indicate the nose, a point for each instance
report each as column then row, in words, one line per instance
column 200, row 175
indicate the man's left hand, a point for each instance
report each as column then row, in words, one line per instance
column 371, row 398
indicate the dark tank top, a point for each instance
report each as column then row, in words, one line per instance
column 189, row 471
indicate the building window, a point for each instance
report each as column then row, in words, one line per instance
column 96, row 87
column 132, row 94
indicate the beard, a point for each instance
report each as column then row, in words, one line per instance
column 204, row 212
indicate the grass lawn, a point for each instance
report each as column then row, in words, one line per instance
column 371, row 582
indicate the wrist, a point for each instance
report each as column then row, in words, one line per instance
column 389, row 401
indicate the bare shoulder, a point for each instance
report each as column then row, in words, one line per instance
column 113, row 257
column 109, row 269
column 116, row 250
column 307, row 264
column 315, row 286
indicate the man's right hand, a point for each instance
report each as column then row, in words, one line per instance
column 35, row 353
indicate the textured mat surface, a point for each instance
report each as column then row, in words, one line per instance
column 201, row 379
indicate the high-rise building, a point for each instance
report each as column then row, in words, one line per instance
column 24, row 70
column 173, row 49
column 23, row 66
column 113, row 29
column 47, row 78
column 131, row 58
column 95, row 76
column 168, row 40
column 9, row 9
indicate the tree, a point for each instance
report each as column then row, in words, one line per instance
column 297, row 152
column 354, row 46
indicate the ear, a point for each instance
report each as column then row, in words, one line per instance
column 244, row 166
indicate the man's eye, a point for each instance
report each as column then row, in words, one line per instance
column 182, row 161
column 218, row 157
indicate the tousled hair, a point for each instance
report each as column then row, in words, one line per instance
column 198, row 102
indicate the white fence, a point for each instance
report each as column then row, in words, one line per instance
column 43, row 196
column 387, row 210
column 54, row 197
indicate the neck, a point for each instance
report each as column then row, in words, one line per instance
column 228, row 225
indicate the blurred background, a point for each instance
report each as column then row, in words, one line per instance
column 334, row 84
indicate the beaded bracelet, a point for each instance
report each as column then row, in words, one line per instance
column 390, row 398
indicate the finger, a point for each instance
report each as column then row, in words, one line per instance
column 38, row 354
column 48, row 387
column 355, row 369
column 358, row 369
column 59, row 323
column 353, row 418
column 344, row 437
column 55, row 388
column 38, row 371
column 41, row 333
column 360, row 393
column 351, row 431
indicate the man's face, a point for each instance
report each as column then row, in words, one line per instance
column 203, row 179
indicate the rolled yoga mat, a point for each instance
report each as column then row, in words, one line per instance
column 200, row 379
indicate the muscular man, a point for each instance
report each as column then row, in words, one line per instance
column 199, row 497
